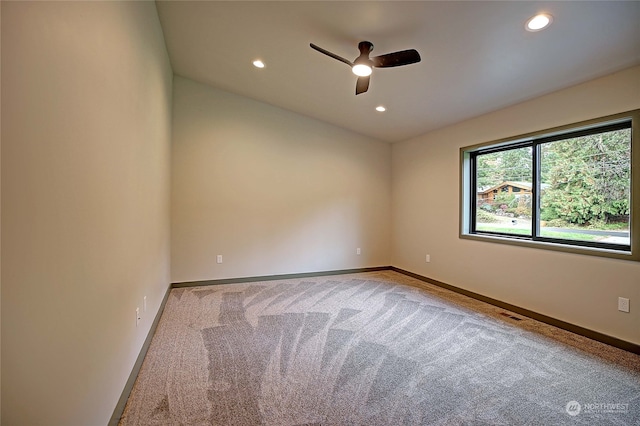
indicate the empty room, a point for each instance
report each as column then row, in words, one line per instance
column 320, row 213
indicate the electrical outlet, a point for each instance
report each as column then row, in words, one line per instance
column 623, row 304
column 428, row 258
column 358, row 251
column 137, row 316
column 219, row 258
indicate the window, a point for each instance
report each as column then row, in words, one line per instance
column 566, row 189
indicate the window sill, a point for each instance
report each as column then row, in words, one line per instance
column 590, row 251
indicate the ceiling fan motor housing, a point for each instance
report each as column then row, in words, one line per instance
column 365, row 47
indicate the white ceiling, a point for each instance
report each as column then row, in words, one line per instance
column 476, row 56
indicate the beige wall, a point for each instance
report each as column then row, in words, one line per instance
column 272, row 191
column 86, row 107
column 579, row 289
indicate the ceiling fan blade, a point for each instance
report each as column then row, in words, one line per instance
column 333, row 55
column 396, row 59
column 362, row 85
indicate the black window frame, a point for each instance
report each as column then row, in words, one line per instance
column 535, row 141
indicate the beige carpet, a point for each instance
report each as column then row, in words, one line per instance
column 375, row 348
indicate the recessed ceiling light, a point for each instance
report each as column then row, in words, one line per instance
column 258, row 63
column 539, row 22
column 380, row 108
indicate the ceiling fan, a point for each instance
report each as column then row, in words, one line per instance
column 362, row 66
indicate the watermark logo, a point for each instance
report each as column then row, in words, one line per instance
column 573, row 408
column 606, row 408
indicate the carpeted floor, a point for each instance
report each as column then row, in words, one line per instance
column 376, row 348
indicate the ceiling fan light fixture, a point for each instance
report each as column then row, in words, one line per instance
column 361, row 70
column 362, row 66
column 539, row 22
